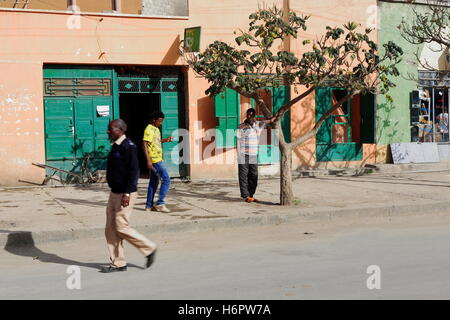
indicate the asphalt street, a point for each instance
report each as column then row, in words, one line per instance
column 288, row 261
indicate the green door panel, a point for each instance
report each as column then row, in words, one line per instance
column 268, row 154
column 59, row 128
column 339, row 152
column 102, row 144
column 226, row 106
column 84, row 127
column 85, row 72
column 220, row 105
column 60, row 148
column 323, row 103
column 232, row 102
column 230, row 133
column 281, row 96
column 221, row 131
column 170, row 126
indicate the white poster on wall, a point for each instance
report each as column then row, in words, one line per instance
column 102, row 111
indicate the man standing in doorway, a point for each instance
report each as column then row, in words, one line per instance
column 155, row 164
column 248, row 136
column 122, row 174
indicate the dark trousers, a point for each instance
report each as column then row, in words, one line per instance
column 248, row 175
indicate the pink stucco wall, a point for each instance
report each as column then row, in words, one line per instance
column 30, row 39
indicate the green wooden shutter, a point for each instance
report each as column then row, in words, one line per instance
column 281, row 96
column 226, row 106
column 170, row 126
column 323, row 104
column 220, row 111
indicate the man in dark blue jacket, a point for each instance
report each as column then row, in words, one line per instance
column 122, row 174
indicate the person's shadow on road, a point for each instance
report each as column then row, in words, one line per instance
column 21, row 243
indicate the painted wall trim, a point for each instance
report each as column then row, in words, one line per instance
column 98, row 14
column 417, row 2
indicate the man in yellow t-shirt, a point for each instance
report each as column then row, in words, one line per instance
column 154, row 155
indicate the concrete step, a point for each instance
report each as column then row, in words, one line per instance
column 384, row 168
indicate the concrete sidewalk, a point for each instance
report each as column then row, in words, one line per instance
column 43, row 214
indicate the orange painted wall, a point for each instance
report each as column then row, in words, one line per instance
column 131, row 6
column 94, row 6
column 28, row 40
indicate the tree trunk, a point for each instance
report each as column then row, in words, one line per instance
column 286, row 195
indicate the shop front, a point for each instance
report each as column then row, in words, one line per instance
column 429, row 108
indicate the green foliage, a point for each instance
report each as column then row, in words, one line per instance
column 342, row 57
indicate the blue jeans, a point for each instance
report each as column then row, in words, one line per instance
column 161, row 173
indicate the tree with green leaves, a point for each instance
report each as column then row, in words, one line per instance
column 342, row 58
column 430, row 24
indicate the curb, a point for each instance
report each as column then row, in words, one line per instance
column 29, row 238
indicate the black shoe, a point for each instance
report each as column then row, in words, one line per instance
column 150, row 259
column 113, row 269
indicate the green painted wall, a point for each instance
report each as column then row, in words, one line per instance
column 393, row 119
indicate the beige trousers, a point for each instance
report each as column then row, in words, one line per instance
column 118, row 228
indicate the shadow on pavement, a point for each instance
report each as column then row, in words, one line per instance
column 390, row 181
column 21, row 243
column 210, row 191
column 83, row 202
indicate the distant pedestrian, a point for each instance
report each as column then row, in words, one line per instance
column 248, row 138
column 152, row 145
column 442, row 125
column 122, row 175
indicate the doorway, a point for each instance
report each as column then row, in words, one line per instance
column 135, row 110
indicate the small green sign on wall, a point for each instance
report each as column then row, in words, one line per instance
column 192, row 39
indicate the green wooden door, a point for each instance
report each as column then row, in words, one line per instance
column 84, row 127
column 170, row 126
column 73, row 126
column 59, row 128
column 226, row 107
column 326, row 148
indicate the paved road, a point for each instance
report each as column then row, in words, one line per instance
column 296, row 261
